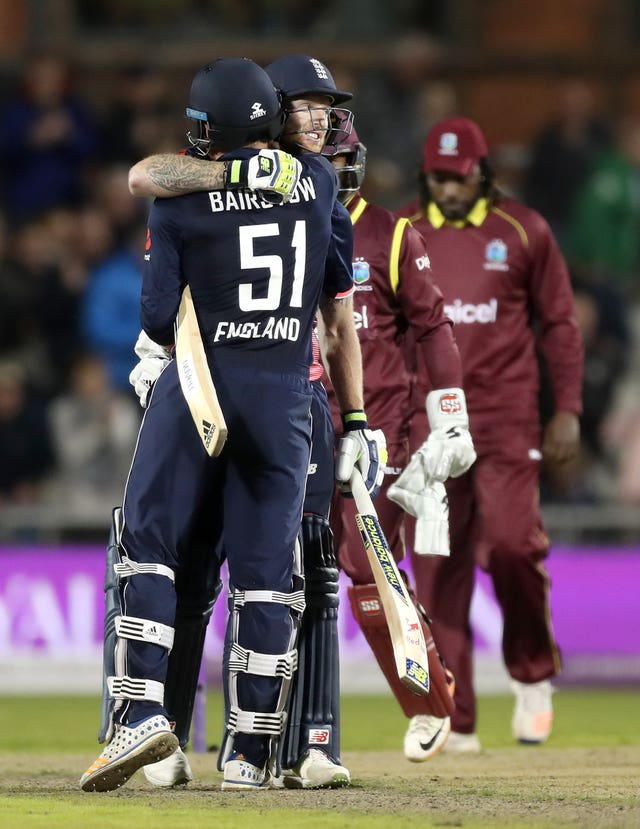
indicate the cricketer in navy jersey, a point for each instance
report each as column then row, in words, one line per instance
column 256, row 272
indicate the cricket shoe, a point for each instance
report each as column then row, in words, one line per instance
column 425, row 736
column 174, row 770
column 533, row 713
column 239, row 773
column 459, row 743
column 131, row 747
column 316, row 770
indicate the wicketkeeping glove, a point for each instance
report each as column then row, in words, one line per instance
column 448, row 451
column 432, row 522
column 153, row 359
column 273, row 171
column 430, row 508
column 362, row 448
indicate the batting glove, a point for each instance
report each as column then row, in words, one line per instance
column 153, row 359
column 362, row 448
column 146, row 347
column 145, row 374
column 448, row 451
column 273, row 171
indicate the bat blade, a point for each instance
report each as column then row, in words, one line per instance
column 405, row 628
column 195, row 378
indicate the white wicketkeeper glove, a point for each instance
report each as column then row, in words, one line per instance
column 362, row 448
column 430, row 508
column 448, row 451
column 273, row 171
column 153, row 359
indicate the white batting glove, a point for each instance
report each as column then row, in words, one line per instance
column 448, row 451
column 432, row 522
column 146, row 347
column 273, row 171
column 153, row 359
column 362, row 448
column 144, row 375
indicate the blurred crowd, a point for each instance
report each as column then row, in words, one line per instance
column 72, row 237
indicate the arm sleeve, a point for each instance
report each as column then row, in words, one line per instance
column 559, row 337
column 422, row 304
column 162, row 281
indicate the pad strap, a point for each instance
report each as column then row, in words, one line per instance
column 255, row 722
column 144, row 630
column 125, row 687
column 127, row 567
column 263, row 664
column 294, row 600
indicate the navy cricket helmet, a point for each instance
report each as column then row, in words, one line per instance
column 234, row 102
column 351, row 176
column 299, row 75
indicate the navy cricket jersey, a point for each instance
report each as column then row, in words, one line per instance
column 256, row 269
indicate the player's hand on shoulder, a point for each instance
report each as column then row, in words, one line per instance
column 274, row 172
column 361, row 448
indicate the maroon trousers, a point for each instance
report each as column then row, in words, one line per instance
column 495, row 523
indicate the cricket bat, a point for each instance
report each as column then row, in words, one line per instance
column 195, row 378
column 407, row 638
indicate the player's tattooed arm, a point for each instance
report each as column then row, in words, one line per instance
column 167, row 175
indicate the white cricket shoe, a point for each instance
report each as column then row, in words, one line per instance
column 174, row 770
column 533, row 713
column 240, row 774
column 425, row 736
column 131, row 747
column 459, row 743
column 316, row 770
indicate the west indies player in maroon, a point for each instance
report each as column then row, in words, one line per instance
column 395, row 294
column 506, row 288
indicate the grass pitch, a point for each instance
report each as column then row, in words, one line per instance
column 586, row 776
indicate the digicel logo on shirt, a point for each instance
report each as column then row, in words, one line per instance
column 467, row 313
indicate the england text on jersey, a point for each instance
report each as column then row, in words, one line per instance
column 286, row 328
column 247, row 200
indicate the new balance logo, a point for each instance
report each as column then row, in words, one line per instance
column 319, row 736
column 208, row 431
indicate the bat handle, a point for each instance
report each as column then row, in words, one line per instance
column 364, row 504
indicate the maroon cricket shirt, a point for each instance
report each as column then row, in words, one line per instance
column 505, row 283
column 395, row 294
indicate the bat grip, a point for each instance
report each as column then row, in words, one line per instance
column 364, row 504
